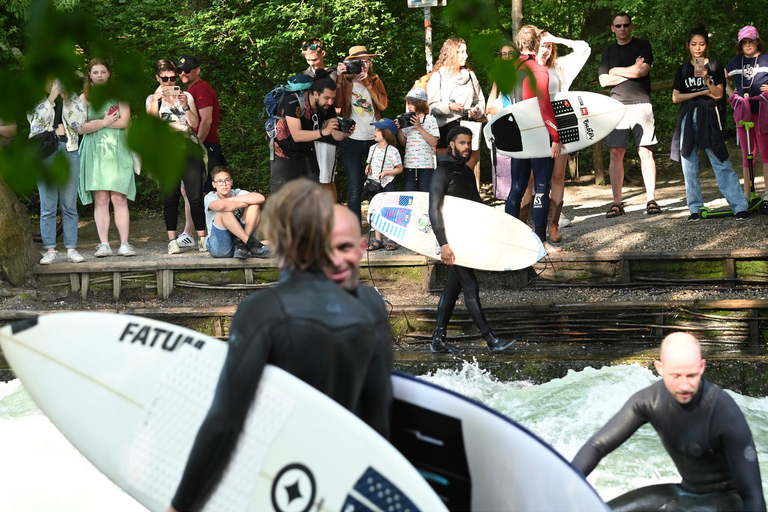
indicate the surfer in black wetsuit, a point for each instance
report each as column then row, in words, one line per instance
column 701, row 428
column 331, row 333
column 452, row 177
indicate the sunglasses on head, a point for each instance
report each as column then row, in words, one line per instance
column 168, row 78
column 311, row 46
column 622, row 25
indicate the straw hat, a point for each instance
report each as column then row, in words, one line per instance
column 359, row 51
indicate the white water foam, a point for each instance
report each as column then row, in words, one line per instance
column 41, row 471
column 567, row 412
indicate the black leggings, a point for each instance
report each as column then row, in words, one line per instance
column 461, row 278
column 542, row 178
column 193, row 184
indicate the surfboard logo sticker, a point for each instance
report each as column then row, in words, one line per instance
column 149, row 335
column 293, row 489
column 399, row 216
column 588, row 129
column 424, row 225
column 584, row 111
column 386, row 199
column 374, row 492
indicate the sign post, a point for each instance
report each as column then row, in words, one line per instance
column 427, row 6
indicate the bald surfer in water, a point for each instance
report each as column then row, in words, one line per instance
column 702, row 429
column 318, row 323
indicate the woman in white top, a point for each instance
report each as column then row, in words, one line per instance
column 455, row 95
column 171, row 104
column 562, row 72
column 61, row 113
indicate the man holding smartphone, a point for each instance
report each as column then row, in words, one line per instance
column 625, row 68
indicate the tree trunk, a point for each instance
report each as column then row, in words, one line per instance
column 17, row 252
column 597, row 161
column 517, row 17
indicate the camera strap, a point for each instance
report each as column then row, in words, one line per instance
column 383, row 159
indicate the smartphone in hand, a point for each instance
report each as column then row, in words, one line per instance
column 113, row 109
column 176, row 91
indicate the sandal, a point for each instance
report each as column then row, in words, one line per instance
column 375, row 245
column 615, row 211
column 652, row 207
column 391, row 246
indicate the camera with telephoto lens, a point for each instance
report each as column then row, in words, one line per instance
column 354, row 66
column 345, row 124
column 405, row 120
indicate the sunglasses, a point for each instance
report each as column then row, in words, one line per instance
column 311, row 46
column 186, row 71
column 167, row 78
column 622, row 25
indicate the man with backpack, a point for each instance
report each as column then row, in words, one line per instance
column 300, row 120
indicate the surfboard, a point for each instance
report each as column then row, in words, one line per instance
column 480, row 237
column 582, row 118
column 131, row 393
column 478, row 459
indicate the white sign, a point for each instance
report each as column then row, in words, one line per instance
column 426, row 3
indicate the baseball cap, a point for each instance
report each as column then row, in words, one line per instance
column 417, row 94
column 748, row 32
column 188, row 62
column 386, row 123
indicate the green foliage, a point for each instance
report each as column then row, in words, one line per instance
column 248, row 46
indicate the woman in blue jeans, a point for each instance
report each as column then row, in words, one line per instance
column 360, row 97
column 62, row 113
column 699, row 85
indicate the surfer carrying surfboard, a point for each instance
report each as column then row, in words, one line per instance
column 702, row 429
column 454, row 178
column 535, row 85
column 334, row 338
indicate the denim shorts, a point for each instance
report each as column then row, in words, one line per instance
column 221, row 242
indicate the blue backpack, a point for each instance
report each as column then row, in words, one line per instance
column 296, row 84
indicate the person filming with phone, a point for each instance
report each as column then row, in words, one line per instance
column 170, row 104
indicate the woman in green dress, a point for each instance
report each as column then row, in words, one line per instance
column 106, row 165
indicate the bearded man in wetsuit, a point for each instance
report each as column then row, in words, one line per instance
column 701, row 428
column 454, row 178
column 317, row 324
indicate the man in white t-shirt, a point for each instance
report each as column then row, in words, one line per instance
column 232, row 216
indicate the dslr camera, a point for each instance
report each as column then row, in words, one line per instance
column 345, row 124
column 354, row 66
column 405, row 120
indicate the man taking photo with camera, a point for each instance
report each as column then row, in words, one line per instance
column 303, row 119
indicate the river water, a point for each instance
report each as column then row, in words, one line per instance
column 41, row 472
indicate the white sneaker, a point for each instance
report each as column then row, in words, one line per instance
column 74, row 257
column 185, row 241
column 202, row 244
column 103, row 250
column 48, row 258
column 126, row 249
column 173, row 247
column 564, row 221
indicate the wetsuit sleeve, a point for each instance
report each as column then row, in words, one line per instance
column 618, row 429
column 541, row 90
column 248, row 352
column 739, row 446
column 376, row 396
column 438, row 186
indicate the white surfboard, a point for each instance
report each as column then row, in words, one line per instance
column 480, row 237
column 583, row 118
column 478, row 459
column 131, row 393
